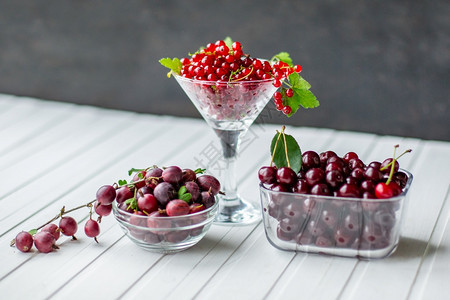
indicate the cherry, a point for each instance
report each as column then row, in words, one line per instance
column 286, row 176
column 324, row 156
column 385, row 166
column 348, row 190
column 355, row 163
column 334, row 178
column 310, row 159
column 314, row 176
column 349, row 155
column 267, row 175
column 372, row 173
column 387, row 190
column 320, row 189
column 301, row 187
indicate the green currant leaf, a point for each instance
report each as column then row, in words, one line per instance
column 122, row 182
column 297, row 82
column 173, row 64
column 306, row 98
column 32, row 231
column 229, row 42
column 293, row 151
column 284, row 57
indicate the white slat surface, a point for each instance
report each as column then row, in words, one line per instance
column 54, row 155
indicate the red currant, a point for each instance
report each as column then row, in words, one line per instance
column 289, row 93
column 287, row 110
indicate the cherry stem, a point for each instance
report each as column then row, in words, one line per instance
column 285, row 147
column 275, row 147
column 389, row 164
column 391, row 173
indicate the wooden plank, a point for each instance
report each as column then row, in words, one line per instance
column 419, row 220
column 83, row 118
column 432, row 277
column 88, row 188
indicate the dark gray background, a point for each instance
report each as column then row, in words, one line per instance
column 375, row 66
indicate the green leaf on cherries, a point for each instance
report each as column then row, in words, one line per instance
column 229, row 42
column 32, row 231
column 174, row 64
column 122, row 182
column 284, row 57
column 293, row 152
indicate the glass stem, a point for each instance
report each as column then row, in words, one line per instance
column 230, row 142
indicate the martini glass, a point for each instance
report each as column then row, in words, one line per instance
column 230, row 108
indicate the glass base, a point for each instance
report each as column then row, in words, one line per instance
column 236, row 212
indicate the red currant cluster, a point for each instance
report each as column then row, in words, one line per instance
column 217, row 62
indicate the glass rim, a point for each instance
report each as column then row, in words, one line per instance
column 209, row 82
column 262, row 187
column 121, row 212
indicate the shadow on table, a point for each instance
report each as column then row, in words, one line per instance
column 410, row 248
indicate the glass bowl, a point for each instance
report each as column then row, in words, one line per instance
column 165, row 234
column 349, row 227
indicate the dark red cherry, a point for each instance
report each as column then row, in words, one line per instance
column 324, row 156
column 355, row 163
column 334, row 178
column 386, row 162
column 301, row 187
column 348, row 190
column 267, row 175
column 286, row 176
column 310, row 159
column 373, row 174
column 349, row 155
column 321, row 189
column 314, row 176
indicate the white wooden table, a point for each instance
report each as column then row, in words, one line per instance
column 54, row 155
